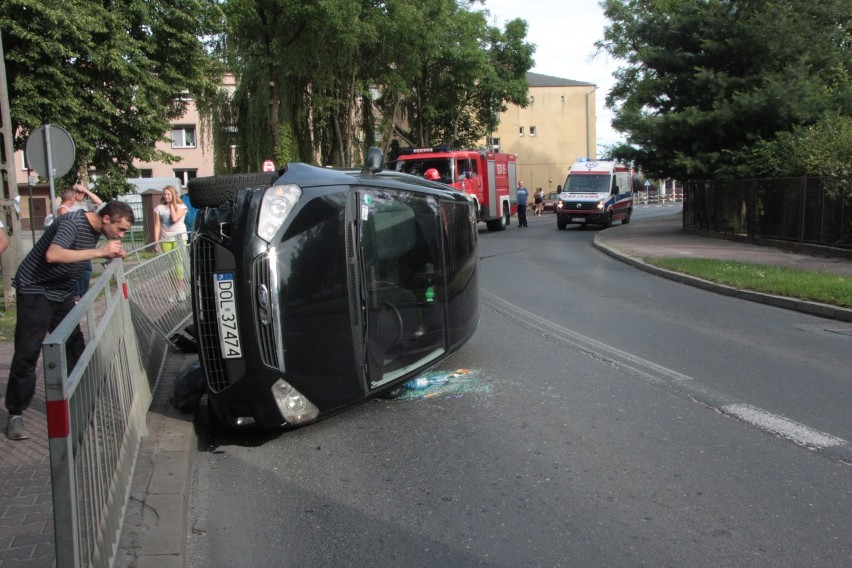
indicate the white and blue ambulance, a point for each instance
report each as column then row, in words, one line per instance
column 597, row 192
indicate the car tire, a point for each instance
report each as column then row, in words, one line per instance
column 608, row 221
column 560, row 224
column 626, row 219
column 217, row 190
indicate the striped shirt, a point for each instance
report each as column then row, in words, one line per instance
column 54, row 279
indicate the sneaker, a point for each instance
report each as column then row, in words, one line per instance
column 15, row 429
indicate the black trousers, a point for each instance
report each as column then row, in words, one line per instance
column 522, row 215
column 37, row 317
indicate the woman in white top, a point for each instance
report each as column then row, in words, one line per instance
column 169, row 226
column 168, row 221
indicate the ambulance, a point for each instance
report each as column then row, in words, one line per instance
column 595, row 192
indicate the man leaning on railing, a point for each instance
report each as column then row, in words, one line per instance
column 45, row 285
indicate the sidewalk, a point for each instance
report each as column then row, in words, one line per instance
column 154, row 532
column 155, row 525
column 664, row 237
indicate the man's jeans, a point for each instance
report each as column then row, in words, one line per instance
column 37, row 317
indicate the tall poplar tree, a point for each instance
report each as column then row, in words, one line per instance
column 312, row 75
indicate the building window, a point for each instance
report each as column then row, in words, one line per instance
column 183, row 136
column 185, row 175
column 495, row 144
column 520, row 131
column 532, row 130
column 146, row 173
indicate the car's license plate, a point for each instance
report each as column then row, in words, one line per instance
column 578, row 219
column 226, row 314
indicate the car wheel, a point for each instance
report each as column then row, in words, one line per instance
column 626, row 219
column 608, row 221
column 560, row 224
column 217, row 190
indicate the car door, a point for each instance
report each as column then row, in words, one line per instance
column 403, row 278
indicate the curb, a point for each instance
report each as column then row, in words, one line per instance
column 812, row 308
column 154, row 533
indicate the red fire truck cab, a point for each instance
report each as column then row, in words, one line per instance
column 489, row 177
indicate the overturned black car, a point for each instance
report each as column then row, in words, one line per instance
column 315, row 289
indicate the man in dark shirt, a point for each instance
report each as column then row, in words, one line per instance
column 45, row 284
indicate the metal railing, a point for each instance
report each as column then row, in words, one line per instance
column 95, row 422
column 161, row 302
column 812, row 210
column 658, row 198
column 96, row 412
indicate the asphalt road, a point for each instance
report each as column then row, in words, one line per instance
column 611, row 418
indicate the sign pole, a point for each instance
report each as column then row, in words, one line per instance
column 50, row 173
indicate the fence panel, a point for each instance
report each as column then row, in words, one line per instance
column 814, row 210
column 96, row 417
column 96, row 412
column 161, row 300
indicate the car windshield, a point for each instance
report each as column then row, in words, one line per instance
column 552, row 196
column 419, row 167
column 587, row 183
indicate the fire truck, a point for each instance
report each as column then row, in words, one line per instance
column 488, row 177
column 595, row 191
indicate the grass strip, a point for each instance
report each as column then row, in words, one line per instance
column 822, row 287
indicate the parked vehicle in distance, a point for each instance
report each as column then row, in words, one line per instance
column 550, row 200
column 488, row 177
column 595, row 191
column 315, row 289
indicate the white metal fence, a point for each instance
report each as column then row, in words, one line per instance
column 160, row 302
column 96, row 412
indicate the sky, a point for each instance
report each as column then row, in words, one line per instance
column 564, row 33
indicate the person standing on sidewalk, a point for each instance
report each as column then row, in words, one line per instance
column 45, row 285
column 87, row 201
column 522, row 204
column 67, row 203
column 169, row 226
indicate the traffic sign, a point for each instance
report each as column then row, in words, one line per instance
column 268, row 166
column 50, row 151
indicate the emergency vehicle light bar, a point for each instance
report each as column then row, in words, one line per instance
column 426, row 150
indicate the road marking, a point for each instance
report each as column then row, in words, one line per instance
column 657, row 374
column 784, row 427
column 585, row 344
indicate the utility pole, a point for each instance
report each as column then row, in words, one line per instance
column 8, row 214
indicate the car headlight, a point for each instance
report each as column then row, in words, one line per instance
column 559, row 205
column 293, row 405
column 601, row 204
column 278, row 202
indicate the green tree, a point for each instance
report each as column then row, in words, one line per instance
column 464, row 73
column 820, row 149
column 112, row 73
column 705, row 81
column 327, row 73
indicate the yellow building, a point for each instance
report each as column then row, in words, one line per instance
column 556, row 128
